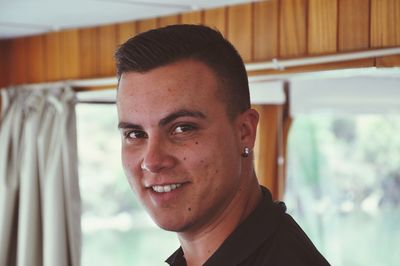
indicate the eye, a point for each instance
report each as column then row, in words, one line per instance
column 135, row 134
column 186, row 128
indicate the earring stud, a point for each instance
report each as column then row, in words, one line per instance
column 246, row 152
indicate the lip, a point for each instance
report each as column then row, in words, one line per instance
column 163, row 198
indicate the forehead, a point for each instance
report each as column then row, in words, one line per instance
column 185, row 84
column 175, row 75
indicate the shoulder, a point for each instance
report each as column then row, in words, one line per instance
column 268, row 236
column 288, row 245
column 294, row 245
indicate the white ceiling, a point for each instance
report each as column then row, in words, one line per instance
column 30, row 17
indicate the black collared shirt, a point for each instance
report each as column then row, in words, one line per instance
column 267, row 237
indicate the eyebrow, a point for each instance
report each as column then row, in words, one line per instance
column 122, row 125
column 181, row 113
column 168, row 119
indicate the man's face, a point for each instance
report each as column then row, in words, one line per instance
column 173, row 125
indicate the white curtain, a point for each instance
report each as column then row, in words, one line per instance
column 39, row 192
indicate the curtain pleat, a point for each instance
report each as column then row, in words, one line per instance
column 10, row 129
column 29, row 218
column 39, row 192
column 72, row 195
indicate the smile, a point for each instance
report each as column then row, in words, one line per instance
column 165, row 188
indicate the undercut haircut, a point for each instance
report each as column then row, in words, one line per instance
column 170, row 44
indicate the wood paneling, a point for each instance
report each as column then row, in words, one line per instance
column 266, row 146
column 147, row 24
column 388, row 61
column 271, row 143
column 35, row 59
column 260, row 31
column 194, row 17
column 70, row 59
column 168, row 20
column 385, row 21
column 353, row 31
column 265, row 37
column 216, row 18
column 293, row 28
column 17, row 61
column 88, row 52
column 53, row 56
column 322, row 26
column 107, row 43
column 4, row 62
column 125, row 31
column 240, row 29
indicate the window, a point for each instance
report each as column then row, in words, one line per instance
column 343, row 185
column 116, row 229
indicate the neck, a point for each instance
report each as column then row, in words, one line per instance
column 200, row 245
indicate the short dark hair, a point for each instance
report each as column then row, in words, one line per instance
column 163, row 46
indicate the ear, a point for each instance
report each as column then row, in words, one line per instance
column 247, row 127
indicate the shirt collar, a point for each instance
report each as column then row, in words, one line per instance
column 177, row 258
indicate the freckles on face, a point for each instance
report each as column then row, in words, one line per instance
column 196, row 151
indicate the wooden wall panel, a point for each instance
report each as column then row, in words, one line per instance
column 70, row 56
column 293, row 28
column 4, row 62
column 35, row 59
column 194, row 17
column 125, row 31
column 260, row 31
column 147, row 24
column 353, row 29
column 216, row 18
column 240, row 25
column 322, row 26
column 107, row 43
column 385, row 23
column 388, row 61
column 53, row 56
column 17, row 63
column 265, row 37
column 266, row 146
column 88, row 46
column 168, row 20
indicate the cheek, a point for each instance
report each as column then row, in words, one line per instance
column 130, row 166
column 205, row 166
column 129, row 158
column 127, row 163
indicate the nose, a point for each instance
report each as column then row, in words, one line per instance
column 157, row 156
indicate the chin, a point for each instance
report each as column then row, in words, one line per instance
column 167, row 224
column 170, row 226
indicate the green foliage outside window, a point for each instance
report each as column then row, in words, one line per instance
column 343, row 186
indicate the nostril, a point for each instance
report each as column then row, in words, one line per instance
column 153, row 167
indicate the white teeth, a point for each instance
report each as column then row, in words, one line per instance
column 165, row 188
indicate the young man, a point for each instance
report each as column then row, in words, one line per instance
column 187, row 137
